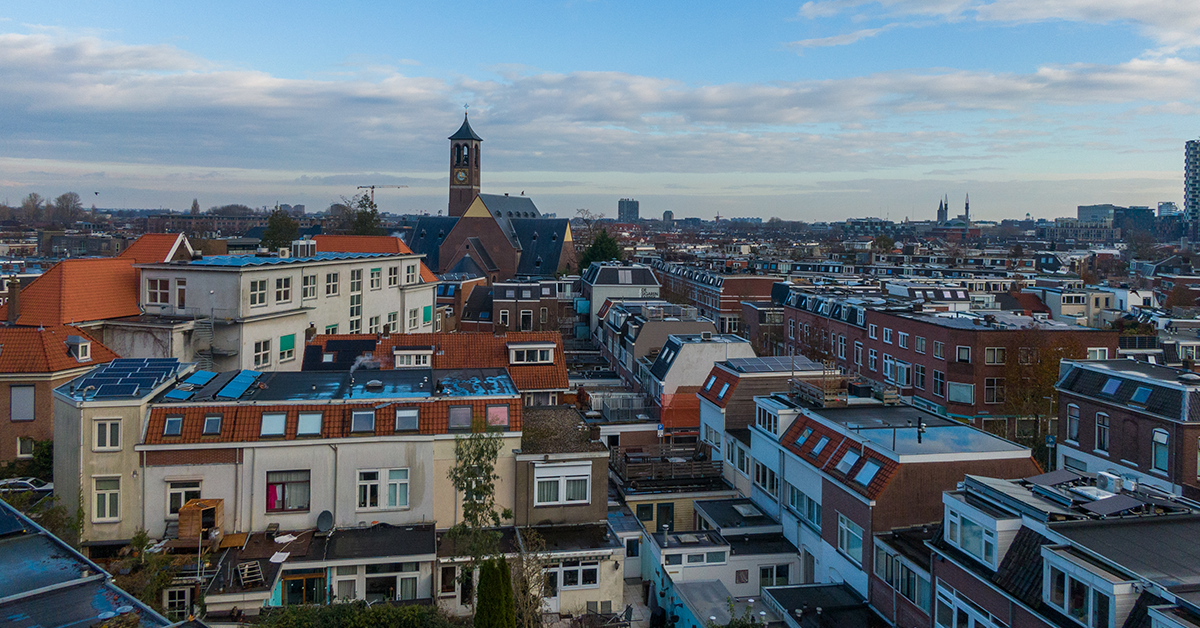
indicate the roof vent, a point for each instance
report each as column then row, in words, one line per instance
column 1189, row 378
column 375, row 385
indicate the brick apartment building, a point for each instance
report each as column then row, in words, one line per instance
column 718, row 297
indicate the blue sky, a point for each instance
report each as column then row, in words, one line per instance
column 813, row 110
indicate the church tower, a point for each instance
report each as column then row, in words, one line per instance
column 464, row 168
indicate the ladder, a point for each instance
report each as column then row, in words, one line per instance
column 250, row 573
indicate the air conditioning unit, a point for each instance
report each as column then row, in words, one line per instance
column 706, row 335
column 1109, row 482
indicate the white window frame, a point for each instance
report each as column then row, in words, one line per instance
column 414, row 317
column 995, row 356
column 958, row 354
column 21, row 441
column 410, row 274
column 283, row 289
column 262, row 353
column 393, row 276
column 304, row 423
column 112, row 500
column 182, row 492
column 956, row 521
column 873, row 331
column 332, row 284
column 1160, row 441
column 375, row 276
column 158, row 291
column 258, row 292
column 847, row 529
column 106, row 426
column 561, row 474
column 308, row 287
column 383, row 485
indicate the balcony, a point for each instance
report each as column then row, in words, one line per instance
column 630, row 409
column 643, row 463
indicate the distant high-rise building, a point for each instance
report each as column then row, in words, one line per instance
column 668, row 216
column 1168, row 208
column 627, row 210
column 1191, row 182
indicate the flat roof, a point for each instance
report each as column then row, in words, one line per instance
column 363, row 384
column 242, row 261
column 773, row 364
column 758, row 544
column 1161, row 549
column 739, row 512
column 894, row 428
column 1135, row 368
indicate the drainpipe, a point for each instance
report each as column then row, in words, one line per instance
column 334, row 447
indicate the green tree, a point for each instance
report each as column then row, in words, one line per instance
column 474, row 479
column 489, row 605
column 603, row 248
column 365, row 220
column 281, row 230
column 195, row 207
column 884, row 244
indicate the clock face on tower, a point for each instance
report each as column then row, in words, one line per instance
column 460, row 176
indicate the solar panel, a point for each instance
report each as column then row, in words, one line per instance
column 120, row 362
column 116, row 390
column 146, row 382
column 200, row 378
column 179, row 395
column 238, row 385
column 1112, row 505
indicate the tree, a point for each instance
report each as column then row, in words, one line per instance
column 603, row 248
column 529, row 580
column 474, row 478
column 231, row 210
column 1031, row 369
column 494, row 601
column 584, row 237
column 884, row 244
column 1180, row 296
column 195, row 207
column 280, row 232
column 356, row 615
column 508, row 610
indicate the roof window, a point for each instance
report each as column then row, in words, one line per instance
column 1141, row 395
column 1111, row 386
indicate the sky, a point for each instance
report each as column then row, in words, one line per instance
column 814, row 110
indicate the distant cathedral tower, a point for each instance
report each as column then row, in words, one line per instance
column 967, row 211
column 942, row 213
column 464, row 168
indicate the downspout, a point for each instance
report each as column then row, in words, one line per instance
column 336, row 464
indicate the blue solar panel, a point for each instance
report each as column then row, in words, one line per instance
column 238, row 385
column 181, row 395
column 127, row 362
column 146, row 382
column 200, row 378
column 116, row 390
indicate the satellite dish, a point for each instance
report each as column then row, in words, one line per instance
column 324, row 521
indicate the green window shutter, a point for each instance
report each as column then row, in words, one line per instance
column 428, row 315
column 287, row 343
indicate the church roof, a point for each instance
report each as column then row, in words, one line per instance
column 428, row 234
column 465, row 132
column 541, row 244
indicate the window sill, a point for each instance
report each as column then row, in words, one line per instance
column 106, row 450
column 385, row 509
column 1100, row 452
column 105, row 521
column 287, row 512
column 1159, row 472
column 561, row 504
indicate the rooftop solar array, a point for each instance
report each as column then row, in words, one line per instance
column 773, row 364
column 238, row 385
column 125, row 377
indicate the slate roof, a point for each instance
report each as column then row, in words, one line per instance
column 480, row 250
column 79, row 290
column 369, row 244
column 608, row 274
column 44, row 350
column 541, row 244
column 428, row 234
column 465, row 132
column 1020, row 573
column 478, row 306
column 464, row 350
column 1089, row 380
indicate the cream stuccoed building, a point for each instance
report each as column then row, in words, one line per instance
column 255, row 311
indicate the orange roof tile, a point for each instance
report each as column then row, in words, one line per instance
column 44, row 350
column 79, row 290
column 476, row 350
column 369, row 244
column 723, row 377
column 153, row 248
column 834, row 451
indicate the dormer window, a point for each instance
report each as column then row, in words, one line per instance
column 1082, row 589
column 530, row 353
column 79, row 348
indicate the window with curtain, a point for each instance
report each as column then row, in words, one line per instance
column 287, row 491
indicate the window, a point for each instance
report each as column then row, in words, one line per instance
column 308, row 287
column 1073, row 423
column 407, row 420
column 993, row 390
column 872, row 359
column 356, row 281
column 724, row 389
column 180, row 493
column 972, row 538
column 287, row 491
column 410, row 274
column 963, row 354
column 393, row 276
column 847, row 462
column 212, row 425
column 767, row 420
column 362, row 421
column 180, row 293
column 309, row 424
column 20, row 403
column 331, row 330
column 1026, row 356
column 356, row 313
column 526, row 320
column 858, row 353
column 816, row 450
column 283, row 289
column 158, row 291
column 108, row 436
column 1077, row 599
column 903, row 340
column 1141, row 395
column 559, row 484
column 873, row 331
column 373, row 325
column 331, row 284
column 448, row 579
column 576, row 574
column 413, row 315
column 108, row 499
column 172, row 425
column 711, row 380
column 907, row 580
column 460, row 417
column 939, row 349
column 803, row 436
column 919, row 376
column 376, row 278
column 939, row 384
column 273, row 424
column 867, row 472
column 1158, row 444
column 392, row 318
column 1097, row 353
column 993, row 355
column 743, row 462
column 766, row 479
column 262, row 353
column 645, row 512
column 841, row 347
column 258, row 292
column 888, row 364
column 382, row 488
column 887, row 335
column 177, row 603
column 850, row 539
column 504, row 318
column 919, row 344
column 773, row 575
column 805, row 507
column 1101, row 432
column 957, row 392
column 791, row 329
column 25, row 447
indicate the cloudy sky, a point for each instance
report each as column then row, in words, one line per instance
column 814, row 110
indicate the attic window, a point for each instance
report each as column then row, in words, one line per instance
column 724, row 389
column 711, row 380
column 1141, row 395
column 79, row 348
column 867, row 472
column 327, row 358
column 803, row 436
column 1111, row 386
column 848, row 461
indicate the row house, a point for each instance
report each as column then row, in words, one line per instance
column 1080, row 306
column 837, row 475
column 1135, row 420
column 255, row 311
column 717, row 297
column 953, row 364
column 534, row 361
column 34, row 361
column 672, row 379
column 762, row 324
column 277, row 448
column 196, row 224
column 1061, row 550
column 535, row 305
column 634, row 329
column 603, row 282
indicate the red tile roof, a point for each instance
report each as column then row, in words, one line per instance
column 44, row 350
column 833, row 452
column 369, row 244
column 154, row 248
column 79, row 290
column 722, row 377
column 475, row 350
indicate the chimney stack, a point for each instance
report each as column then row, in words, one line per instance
column 14, row 300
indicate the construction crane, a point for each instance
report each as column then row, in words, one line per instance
column 372, row 188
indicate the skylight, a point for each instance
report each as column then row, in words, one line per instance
column 1141, row 395
column 1111, row 386
column 848, row 461
column 724, row 389
column 867, row 472
column 820, row 445
column 804, row 436
column 711, row 380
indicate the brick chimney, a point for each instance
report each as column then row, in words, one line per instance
column 14, row 300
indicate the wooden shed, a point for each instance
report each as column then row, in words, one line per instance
column 200, row 515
